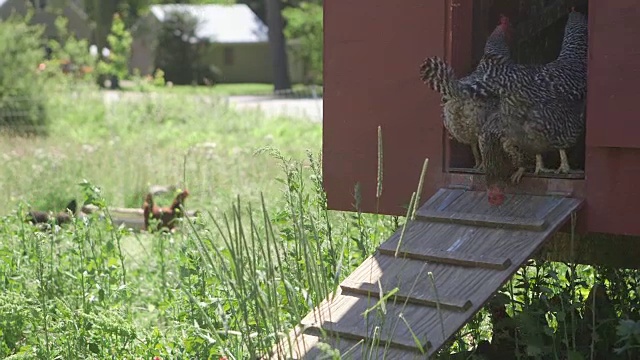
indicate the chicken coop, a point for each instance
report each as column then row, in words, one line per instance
column 372, row 54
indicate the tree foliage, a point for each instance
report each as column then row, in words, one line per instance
column 101, row 12
column 304, row 23
column 22, row 95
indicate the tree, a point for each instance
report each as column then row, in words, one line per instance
column 304, row 23
column 181, row 56
column 119, row 40
column 101, row 13
column 277, row 45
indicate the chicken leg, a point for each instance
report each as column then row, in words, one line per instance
column 540, row 169
column 564, row 163
column 477, row 157
column 564, row 167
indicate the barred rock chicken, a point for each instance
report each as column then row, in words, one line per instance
column 166, row 215
column 463, row 111
column 544, row 105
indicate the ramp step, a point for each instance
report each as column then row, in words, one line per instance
column 359, row 317
column 518, row 212
column 369, row 289
column 451, row 257
column 423, row 283
column 492, row 221
column 307, row 346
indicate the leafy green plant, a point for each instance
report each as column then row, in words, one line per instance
column 119, row 41
column 158, row 78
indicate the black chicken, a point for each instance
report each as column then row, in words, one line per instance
column 463, row 111
column 63, row 217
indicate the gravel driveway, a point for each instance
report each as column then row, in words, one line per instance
column 305, row 108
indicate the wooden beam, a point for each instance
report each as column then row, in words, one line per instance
column 618, row 251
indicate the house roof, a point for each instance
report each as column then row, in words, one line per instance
column 220, row 23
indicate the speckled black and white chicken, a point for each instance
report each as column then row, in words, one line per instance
column 464, row 106
column 543, row 107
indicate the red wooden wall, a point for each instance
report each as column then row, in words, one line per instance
column 372, row 55
column 613, row 124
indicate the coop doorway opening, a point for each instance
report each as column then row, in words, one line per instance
column 538, row 31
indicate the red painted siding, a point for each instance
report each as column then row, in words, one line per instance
column 613, row 191
column 614, row 74
column 372, row 54
column 613, row 127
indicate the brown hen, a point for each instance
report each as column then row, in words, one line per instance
column 166, row 216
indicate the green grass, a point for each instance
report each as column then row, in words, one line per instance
column 246, row 271
column 144, row 140
column 263, row 252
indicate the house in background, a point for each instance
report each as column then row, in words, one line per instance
column 238, row 42
column 47, row 11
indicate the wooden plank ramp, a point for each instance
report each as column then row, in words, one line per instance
column 456, row 254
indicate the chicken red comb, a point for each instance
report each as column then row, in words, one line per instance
column 504, row 23
column 495, row 196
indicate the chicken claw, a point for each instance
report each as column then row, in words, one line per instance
column 515, row 178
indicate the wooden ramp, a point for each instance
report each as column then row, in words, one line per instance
column 451, row 260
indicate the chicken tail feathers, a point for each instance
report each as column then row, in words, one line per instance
column 438, row 75
column 72, row 206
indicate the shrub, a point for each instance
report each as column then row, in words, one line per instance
column 22, row 93
column 70, row 54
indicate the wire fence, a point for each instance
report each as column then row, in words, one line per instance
column 23, row 114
